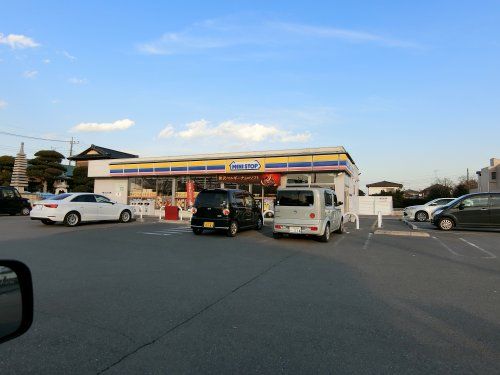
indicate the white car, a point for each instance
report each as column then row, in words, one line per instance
column 424, row 211
column 75, row 208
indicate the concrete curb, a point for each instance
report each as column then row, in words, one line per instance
column 412, row 226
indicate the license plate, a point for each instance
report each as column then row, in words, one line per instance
column 296, row 230
column 208, row 224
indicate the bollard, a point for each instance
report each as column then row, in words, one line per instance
column 140, row 212
column 162, row 209
column 379, row 220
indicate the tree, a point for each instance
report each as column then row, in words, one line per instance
column 6, row 166
column 46, row 167
column 461, row 189
column 438, row 191
column 470, row 183
column 81, row 182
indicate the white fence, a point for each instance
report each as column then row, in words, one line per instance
column 370, row 205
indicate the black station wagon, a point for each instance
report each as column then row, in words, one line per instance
column 225, row 209
column 12, row 203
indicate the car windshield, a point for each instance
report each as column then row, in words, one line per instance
column 211, row 199
column 295, row 198
column 453, row 202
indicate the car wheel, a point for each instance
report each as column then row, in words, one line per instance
column 233, row 229
column 47, row 222
column 125, row 216
column 341, row 227
column 25, row 211
column 72, row 219
column 421, row 216
column 446, row 223
column 259, row 224
column 277, row 236
column 325, row 237
column 197, row 231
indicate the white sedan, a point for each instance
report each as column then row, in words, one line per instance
column 424, row 211
column 74, row 208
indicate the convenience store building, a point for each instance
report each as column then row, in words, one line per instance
column 158, row 181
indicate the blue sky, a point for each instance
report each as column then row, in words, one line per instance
column 411, row 89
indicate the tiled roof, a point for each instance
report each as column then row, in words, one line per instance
column 102, row 153
column 385, row 184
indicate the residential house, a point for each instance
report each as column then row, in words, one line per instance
column 488, row 178
column 99, row 153
column 383, row 186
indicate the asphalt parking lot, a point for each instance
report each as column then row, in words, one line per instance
column 153, row 298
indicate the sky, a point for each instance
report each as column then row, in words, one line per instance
column 410, row 89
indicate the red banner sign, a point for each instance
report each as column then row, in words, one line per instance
column 190, row 193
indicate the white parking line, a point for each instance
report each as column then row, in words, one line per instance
column 168, row 231
column 367, row 242
column 447, row 247
column 491, row 256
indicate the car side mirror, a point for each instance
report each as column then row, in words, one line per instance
column 16, row 299
column 461, row 206
column 433, row 204
column 339, row 203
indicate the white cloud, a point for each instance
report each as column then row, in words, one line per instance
column 68, row 56
column 78, row 81
column 234, row 131
column 234, row 31
column 16, row 41
column 55, row 101
column 30, row 74
column 3, row 104
column 355, row 36
column 46, row 61
column 103, row 126
column 167, row 132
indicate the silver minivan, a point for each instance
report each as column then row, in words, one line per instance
column 307, row 210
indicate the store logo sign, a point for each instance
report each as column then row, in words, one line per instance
column 235, row 166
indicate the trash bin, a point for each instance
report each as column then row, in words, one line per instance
column 171, row 213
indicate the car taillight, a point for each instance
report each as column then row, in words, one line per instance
column 194, row 210
column 312, row 215
column 52, row 205
column 225, row 212
column 313, row 228
column 278, row 227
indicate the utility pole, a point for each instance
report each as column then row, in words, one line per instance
column 71, row 143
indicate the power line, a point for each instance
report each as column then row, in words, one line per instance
column 39, row 138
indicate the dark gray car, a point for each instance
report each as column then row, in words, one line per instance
column 477, row 210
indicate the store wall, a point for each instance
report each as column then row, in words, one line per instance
column 115, row 189
column 99, row 168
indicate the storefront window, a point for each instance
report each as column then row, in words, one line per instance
column 297, row 179
column 164, row 191
column 325, row 179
